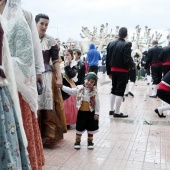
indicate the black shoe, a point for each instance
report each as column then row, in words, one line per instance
column 126, row 95
column 121, row 115
column 77, row 145
column 155, row 96
column 160, row 115
column 131, row 94
column 111, row 112
column 90, row 145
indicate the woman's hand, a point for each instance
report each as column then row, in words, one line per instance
column 39, row 78
column 59, row 82
column 96, row 117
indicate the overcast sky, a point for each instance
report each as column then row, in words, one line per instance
column 68, row 16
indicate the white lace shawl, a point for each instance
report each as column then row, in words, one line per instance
column 10, row 80
column 47, row 42
column 22, row 54
column 39, row 61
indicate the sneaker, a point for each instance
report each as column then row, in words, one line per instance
column 131, row 94
column 77, row 145
column 90, row 145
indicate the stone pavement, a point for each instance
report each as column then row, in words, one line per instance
column 139, row 142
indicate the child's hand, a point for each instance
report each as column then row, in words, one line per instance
column 67, row 62
column 96, row 117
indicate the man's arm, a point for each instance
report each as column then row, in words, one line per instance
column 162, row 55
column 108, row 67
column 148, row 59
column 127, row 55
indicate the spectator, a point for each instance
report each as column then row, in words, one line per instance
column 79, row 79
column 93, row 57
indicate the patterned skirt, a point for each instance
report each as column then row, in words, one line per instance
column 35, row 148
column 13, row 153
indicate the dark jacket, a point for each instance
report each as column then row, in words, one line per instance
column 143, row 60
column 153, row 56
column 165, row 54
column 81, row 72
column 70, row 72
column 50, row 54
column 119, row 55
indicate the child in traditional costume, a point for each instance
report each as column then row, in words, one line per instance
column 87, row 102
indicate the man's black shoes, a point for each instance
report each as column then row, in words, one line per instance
column 111, row 112
column 129, row 93
column 154, row 96
column 121, row 115
column 160, row 115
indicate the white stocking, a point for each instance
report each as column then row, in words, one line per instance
column 131, row 85
column 154, row 89
column 127, row 88
column 118, row 102
column 148, row 78
column 112, row 101
column 163, row 108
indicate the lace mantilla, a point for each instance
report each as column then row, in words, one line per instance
column 21, row 48
column 10, row 77
column 47, row 42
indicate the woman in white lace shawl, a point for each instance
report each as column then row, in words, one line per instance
column 13, row 152
column 19, row 36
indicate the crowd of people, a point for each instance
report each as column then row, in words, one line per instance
column 44, row 88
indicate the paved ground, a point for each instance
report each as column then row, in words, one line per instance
column 139, row 142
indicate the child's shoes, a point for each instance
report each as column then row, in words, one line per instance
column 90, row 145
column 77, row 145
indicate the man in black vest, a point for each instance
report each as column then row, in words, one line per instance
column 118, row 62
column 152, row 59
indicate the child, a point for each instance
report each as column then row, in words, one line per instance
column 87, row 102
